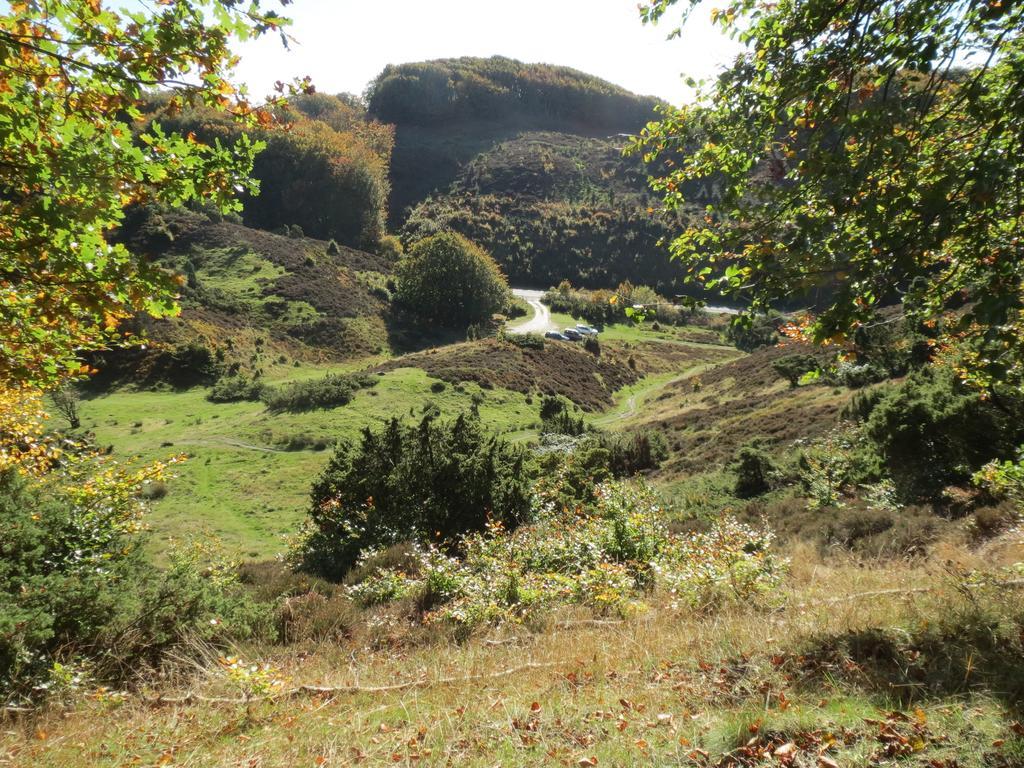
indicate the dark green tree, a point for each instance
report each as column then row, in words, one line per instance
column 932, row 431
column 755, row 471
column 448, row 279
column 431, row 482
column 792, row 367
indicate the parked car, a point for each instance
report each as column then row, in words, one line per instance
column 573, row 334
column 586, row 330
column 556, row 336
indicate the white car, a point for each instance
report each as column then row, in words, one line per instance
column 586, row 330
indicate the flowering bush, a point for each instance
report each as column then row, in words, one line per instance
column 607, row 555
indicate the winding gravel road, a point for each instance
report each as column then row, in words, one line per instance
column 541, row 320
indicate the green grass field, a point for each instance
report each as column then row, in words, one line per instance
column 238, row 483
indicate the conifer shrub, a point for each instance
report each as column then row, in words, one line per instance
column 233, row 389
column 931, row 431
column 431, row 482
column 755, row 470
column 78, row 593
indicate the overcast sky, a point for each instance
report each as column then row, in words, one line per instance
column 343, row 44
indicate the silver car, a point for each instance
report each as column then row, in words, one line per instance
column 586, row 330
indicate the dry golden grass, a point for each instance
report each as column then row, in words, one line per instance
column 821, row 670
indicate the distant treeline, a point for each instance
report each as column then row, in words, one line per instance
column 495, row 89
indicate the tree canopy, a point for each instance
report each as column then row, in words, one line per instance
column 324, row 166
column 73, row 75
column 450, row 280
column 499, row 88
column 868, row 151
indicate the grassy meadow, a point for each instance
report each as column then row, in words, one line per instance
column 901, row 665
column 247, row 471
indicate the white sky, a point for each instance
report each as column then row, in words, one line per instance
column 344, row 44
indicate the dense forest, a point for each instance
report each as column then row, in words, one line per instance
column 553, row 204
column 449, row 111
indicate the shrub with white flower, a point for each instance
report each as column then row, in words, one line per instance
column 609, row 555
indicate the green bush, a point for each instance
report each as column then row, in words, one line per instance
column 233, row 389
column 856, row 376
column 748, row 335
column 183, row 366
column 557, row 419
column 329, row 392
column 793, row 367
column 933, row 432
column 301, row 441
column 551, row 406
column 524, row 340
column 448, row 279
column 832, row 466
column 633, row 452
column 390, row 248
column 755, row 470
column 430, row 482
column 77, row 590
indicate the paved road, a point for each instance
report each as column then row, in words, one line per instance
column 721, row 310
column 541, row 320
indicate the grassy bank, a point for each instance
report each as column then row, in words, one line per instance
column 859, row 664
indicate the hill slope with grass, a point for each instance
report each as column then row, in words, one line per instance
column 250, row 300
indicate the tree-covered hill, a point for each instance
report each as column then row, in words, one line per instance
column 552, row 206
column 436, row 92
column 446, row 112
